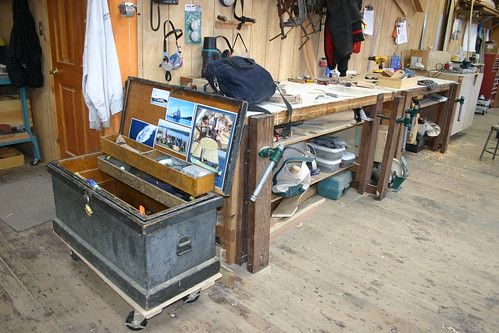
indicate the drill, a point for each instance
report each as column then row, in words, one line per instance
column 379, row 61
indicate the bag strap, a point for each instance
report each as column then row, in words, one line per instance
column 286, row 129
column 241, row 62
column 242, row 19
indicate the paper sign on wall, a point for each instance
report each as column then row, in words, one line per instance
column 401, row 32
column 368, row 21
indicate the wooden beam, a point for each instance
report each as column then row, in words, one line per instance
column 447, row 117
column 391, row 146
column 418, row 6
column 401, row 7
column 257, row 217
column 368, row 144
column 230, row 231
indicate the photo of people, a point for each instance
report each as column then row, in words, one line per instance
column 173, row 137
column 160, row 97
column 180, row 111
column 142, row 132
column 211, row 139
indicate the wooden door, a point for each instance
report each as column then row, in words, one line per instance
column 67, row 35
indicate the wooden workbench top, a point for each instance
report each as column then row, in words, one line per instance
column 316, row 103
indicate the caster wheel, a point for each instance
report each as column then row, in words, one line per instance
column 34, row 161
column 74, row 256
column 191, row 298
column 135, row 321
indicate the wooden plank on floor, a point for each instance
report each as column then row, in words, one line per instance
column 303, row 213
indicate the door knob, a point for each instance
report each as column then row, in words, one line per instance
column 54, row 71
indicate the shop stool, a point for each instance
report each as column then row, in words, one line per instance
column 485, row 149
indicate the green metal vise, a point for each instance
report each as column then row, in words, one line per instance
column 274, row 155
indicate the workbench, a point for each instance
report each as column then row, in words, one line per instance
column 244, row 226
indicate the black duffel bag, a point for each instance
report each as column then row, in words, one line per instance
column 244, row 79
column 240, row 78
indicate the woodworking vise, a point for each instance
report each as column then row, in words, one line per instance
column 409, row 122
column 274, row 155
column 379, row 60
column 413, row 113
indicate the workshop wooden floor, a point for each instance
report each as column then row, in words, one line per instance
column 426, row 259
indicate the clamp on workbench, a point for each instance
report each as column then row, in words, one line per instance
column 274, row 155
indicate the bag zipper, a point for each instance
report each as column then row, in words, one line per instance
column 215, row 83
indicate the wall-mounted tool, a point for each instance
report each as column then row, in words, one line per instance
column 274, row 155
column 379, row 60
column 242, row 19
column 211, row 53
column 461, row 103
column 174, row 61
column 159, row 2
column 127, row 9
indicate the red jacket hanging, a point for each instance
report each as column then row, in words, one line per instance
column 342, row 33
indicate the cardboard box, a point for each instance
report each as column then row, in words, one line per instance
column 11, row 111
column 391, row 82
column 491, row 48
column 10, row 158
column 430, row 59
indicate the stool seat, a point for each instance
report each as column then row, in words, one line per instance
column 491, row 150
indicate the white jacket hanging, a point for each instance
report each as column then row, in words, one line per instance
column 102, row 87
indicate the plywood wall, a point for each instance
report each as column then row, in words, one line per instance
column 280, row 56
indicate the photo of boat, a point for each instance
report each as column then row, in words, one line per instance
column 142, row 132
column 176, row 114
column 180, row 111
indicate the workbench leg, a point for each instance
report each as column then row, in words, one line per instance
column 230, row 229
column 447, row 118
column 392, row 145
column 367, row 146
column 257, row 217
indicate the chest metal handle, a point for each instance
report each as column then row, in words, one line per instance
column 184, row 245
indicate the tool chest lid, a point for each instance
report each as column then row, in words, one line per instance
column 201, row 128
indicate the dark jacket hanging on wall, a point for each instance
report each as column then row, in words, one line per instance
column 24, row 54
column 343, row 29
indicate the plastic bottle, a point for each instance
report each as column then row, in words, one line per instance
column 322, row 67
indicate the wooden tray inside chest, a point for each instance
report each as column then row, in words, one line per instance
column 142, row 157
